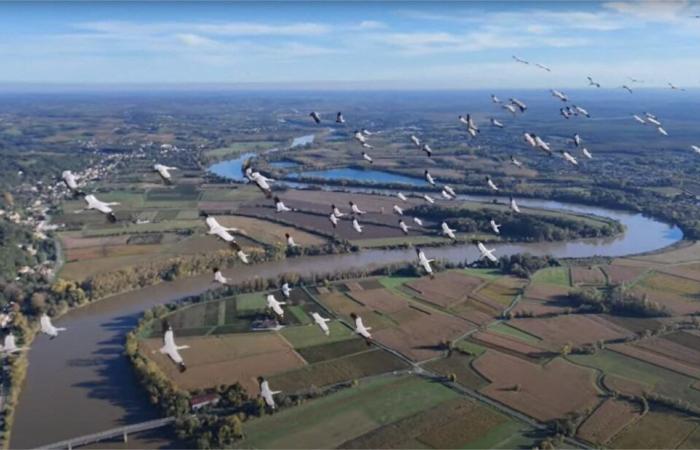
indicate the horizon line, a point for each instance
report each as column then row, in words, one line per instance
column 384, row 85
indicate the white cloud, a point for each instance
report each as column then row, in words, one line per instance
column 537, row 19
column 485, row 39
column 566, row 76
column 261, row 29
column 219, row 28
column 461, row 46
column 195, row 40
column 296, row 49
column 653, row 10
column 371, row 25
column 571, row 20
column 409, row 40
column 538, row 29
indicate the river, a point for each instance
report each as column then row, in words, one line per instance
column 360, row 175
column 81, row 383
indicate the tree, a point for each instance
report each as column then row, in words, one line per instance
column 236, row 426
column 9, row 199
column 566, row 349
column 233, row 395
column 13, row 292
column 224, row 436
column 204, row 441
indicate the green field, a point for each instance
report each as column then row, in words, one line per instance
column 553, row 275
column 470, row 347
column 395, row 282
column 299, row 314
column 125, row 198
column 227, row 193
column 236, row 314
column 254, row 301
column 489, row 274
column 332, row 350
column 457, row 423
column 310, row 335
column 180, row 192
column 329, row 421
column 222, row 316
column 508, row 435
column 239, row 147
column 660, row 380
column 132, row 228
column 505, row 329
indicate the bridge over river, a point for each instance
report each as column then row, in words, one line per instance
column 122, row 432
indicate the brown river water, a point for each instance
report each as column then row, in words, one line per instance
column 81, row 383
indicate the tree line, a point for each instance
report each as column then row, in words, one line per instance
column 523, row 227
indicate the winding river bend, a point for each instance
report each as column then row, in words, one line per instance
column 81, row 383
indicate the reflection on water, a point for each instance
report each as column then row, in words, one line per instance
column 302, row 140
column 231, row 168
column 91, row 385
column 372, row 176
column 283, row 164
column 642, row 234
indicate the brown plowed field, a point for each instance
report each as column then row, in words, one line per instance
column 342, row 304
column 474, row 311
column 546, row 292
column 634, row 324
column 460, row 365
column 625, row 385
column 500, row 340
column 500, row 293
column 586, row 275
column 269, row 232
column 606, row 421
column 537, row 308
column 623, row 274
column 446, row 289
column 354, row 286
column 687, row 253
column 686, row 339
column 463, row 425
column 419, row 339
column 374, row 226
column 691, row 271
column 671, row 349
column 671, row 284
column 72, row 242
column 676, row 304
column 380, row 300
column 576, row 329
column 348, row 368
column 109, row 251
column 366, row 202
column 544, row 392
column 656, row 430
column 225, row 359
column 451, row 424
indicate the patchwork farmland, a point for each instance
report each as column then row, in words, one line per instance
column 584, row 368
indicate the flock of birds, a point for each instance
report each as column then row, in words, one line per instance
column 513, row 105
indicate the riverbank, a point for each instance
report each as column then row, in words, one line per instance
column 89, row 372
column 592, row 331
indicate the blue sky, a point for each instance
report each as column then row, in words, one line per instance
column 357, row 44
